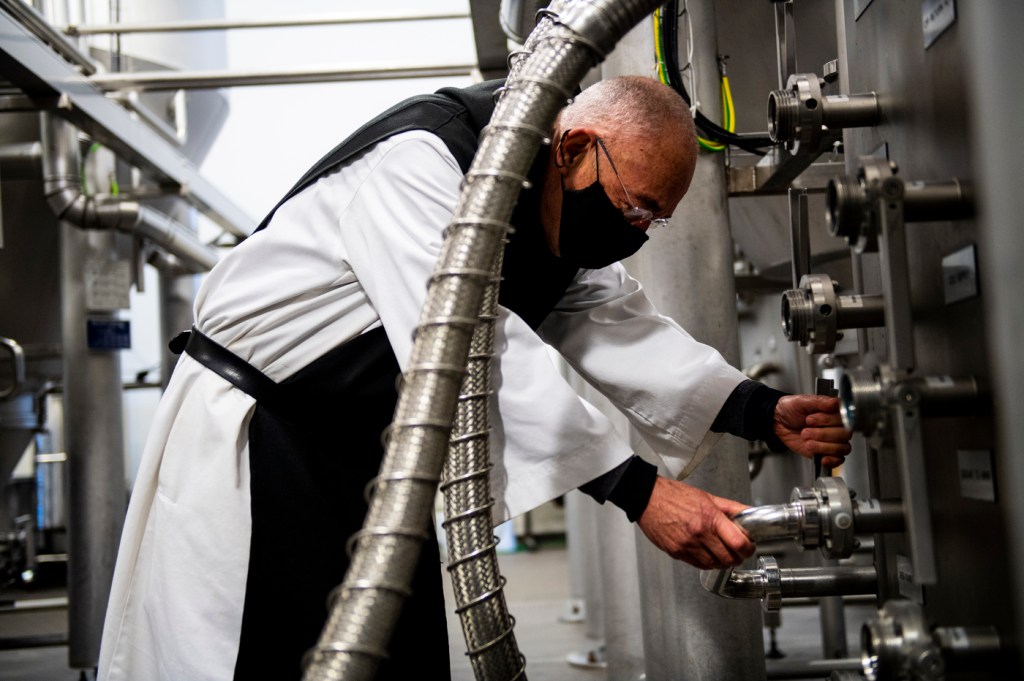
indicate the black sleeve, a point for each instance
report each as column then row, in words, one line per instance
column 749, row 412
column 628, row 486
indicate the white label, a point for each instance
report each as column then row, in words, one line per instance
column 936, row 17
column 108, row 285
column 869, row 506
column 905, row 576
column 939, row 382
column 854, row 301
column 958, row 639
column 976, row 478
column 960, row 275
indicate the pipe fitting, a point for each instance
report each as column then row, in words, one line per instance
column 62, row 187
column 867, row 395
column 901, row 645
column 813, row 314
column 799, row 114
column 771, row 584
column 850, row 202
column 823, row 515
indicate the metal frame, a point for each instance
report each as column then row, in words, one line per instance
column 41, row 73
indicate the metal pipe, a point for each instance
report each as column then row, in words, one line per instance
column 828, row 581
column 387, row 548
column 94, row 444
column 62, row 187
column 761, row 523
column 36, row 24
column 226, row 24
column 151, row 81
column 20, row 156
column 874, row 516
column 786, row 670
column 682, row 628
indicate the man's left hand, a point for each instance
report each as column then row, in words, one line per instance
column 810, row 424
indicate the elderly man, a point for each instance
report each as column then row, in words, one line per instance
column 269, row 431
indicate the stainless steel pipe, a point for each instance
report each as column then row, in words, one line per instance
column 153, row 81
column 223, row 25
column 62, row 186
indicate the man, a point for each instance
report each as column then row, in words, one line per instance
column 254, row 473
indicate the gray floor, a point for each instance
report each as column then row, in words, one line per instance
column 537, row 593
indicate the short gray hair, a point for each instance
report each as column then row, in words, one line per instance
column 630, row 106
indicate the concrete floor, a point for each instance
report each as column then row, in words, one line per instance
column 537, row 592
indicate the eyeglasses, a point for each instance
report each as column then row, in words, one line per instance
column 636, row 216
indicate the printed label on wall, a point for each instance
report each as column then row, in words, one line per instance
column 976, row 478
column 960, row 275
column 108, row 334
column 936, row 17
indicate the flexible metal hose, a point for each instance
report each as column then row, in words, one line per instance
column 365, row 608
column 477, row 583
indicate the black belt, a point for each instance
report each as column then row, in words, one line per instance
column 226, row 364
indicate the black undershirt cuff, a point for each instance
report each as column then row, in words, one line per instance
column 628, row 486
column 749, row 413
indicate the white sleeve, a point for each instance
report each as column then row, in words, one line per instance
column 546, row 440
column 669, row 386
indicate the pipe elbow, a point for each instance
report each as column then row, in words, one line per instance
column 67, row 203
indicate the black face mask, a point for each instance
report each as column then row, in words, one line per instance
column 593, row 233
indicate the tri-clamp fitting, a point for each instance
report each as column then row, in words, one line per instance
column 799, row 114
column 867, row 395
column 813, row 314
column 825, row 516
column 851, row 202
column 901, row 646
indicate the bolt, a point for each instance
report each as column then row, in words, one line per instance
column 843, row 521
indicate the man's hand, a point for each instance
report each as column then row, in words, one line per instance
column 810, row 424
column 693, row 526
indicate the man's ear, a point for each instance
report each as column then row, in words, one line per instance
column 573, row 145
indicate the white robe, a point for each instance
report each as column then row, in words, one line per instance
column 348, row 254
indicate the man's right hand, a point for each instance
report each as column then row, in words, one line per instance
column 693, row 526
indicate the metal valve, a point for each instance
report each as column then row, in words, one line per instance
column 813, row 314
column 850, row 202
column 901, row 646
column 867, row 394
column 799, row 114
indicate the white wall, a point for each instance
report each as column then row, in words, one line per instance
column 274, row 133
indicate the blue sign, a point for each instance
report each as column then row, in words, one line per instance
column 108, row 334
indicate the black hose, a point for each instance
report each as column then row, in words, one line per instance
column 748, row 142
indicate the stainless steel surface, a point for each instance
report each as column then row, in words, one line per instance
column 95, row 448
column 800, row 114
column 63, row 189
column 800, row 234
column 898, row 644
column 682, row 627
column 194, row 80
column 813, row 314
column 33, row 67
column 991, row 49
column 378, row 16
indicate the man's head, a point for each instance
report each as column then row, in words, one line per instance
column 623, row 144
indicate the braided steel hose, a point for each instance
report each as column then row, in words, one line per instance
column 477, row 583
column 365, row 607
